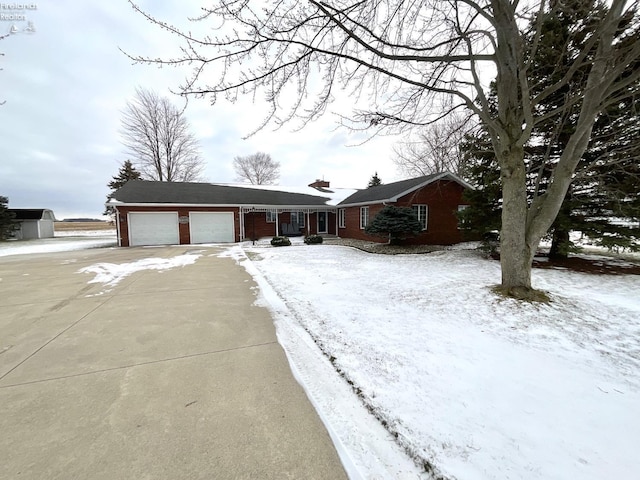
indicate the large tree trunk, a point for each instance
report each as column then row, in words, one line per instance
column 515, row 252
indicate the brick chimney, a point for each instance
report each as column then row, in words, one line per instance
column 319, row 184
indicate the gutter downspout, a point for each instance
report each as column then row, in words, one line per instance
column 118, row 227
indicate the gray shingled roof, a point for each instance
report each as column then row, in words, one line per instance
column 390, row 191
column 138, row 191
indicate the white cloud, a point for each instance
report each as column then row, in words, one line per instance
column 67, row 83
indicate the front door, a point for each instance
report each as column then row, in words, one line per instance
column 322, row 222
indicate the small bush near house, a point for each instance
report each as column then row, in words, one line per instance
column 490, row 244
column 394, row 223
column 312, row 239
column 280, row 242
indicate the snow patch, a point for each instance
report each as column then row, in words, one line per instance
column 112, row 273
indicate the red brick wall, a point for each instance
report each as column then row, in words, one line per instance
column 352, row 223
column 264, row 229
column 442, row 199
column 256, row 226
column 183, row 228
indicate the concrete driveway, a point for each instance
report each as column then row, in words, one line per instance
column 170, row 374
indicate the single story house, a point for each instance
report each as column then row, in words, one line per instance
column 435, row 199
column 165, row 213
column 33, row 223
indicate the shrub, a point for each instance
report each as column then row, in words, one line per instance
column 394, row 223
column 490, row 244
column 312, row 239
column 280, row 242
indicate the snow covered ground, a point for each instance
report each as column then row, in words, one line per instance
column 61, row 242
column 469, row 385
column 472, row 386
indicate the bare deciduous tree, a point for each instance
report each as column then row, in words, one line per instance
column 157, row 136
column 257, row 169
column 403, row 55
column 436, row 148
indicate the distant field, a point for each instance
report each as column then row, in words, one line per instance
column 66, row 226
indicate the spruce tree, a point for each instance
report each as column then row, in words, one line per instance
column 599, row 196
column 375, row 181
column 394, row 223
column 8, row 223
column 127, row 172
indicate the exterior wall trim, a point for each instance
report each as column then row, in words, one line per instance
column 259, row 207
column 395, row 198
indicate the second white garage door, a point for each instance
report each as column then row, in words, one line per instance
column 157, row 228
column 211, row 227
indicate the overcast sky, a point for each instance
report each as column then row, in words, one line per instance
column 65, row 83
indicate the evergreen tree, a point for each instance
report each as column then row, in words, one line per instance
column 127, row 172
column 375, row 181
column 599, row 195
column 394, row 223
column 602, row 203
column 483, row 215
column 7, row 219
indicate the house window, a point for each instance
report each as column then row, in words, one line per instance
column 298, row 217
column 422, row 212
column 364, row 217
column 461, row 221
column 341, row 220
column 271, row 216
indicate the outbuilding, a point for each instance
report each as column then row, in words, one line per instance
column 33, row 223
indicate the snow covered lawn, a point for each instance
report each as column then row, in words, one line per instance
column 472, row 386
column 62, row 242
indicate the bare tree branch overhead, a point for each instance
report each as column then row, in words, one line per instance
column 413, row 62
column 257, row 169
column 436, row 148
column 158, row 138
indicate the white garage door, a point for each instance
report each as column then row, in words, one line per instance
column 157, row 228
column 211, row 227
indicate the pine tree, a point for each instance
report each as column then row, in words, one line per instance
column 599, row 196
column 375, row 181
column 7, row 219
column 394, row 223
column 602, row 203
column 482, row 218
column 127, row 172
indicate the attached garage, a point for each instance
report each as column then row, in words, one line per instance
column 211, row 227
column 182, row 213
column 153, row 228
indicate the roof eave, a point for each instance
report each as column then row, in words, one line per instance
column 218, row 205
column 441, row 176
column 363, row 204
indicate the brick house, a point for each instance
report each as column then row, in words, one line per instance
column 165, row 213
column 436, row 199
